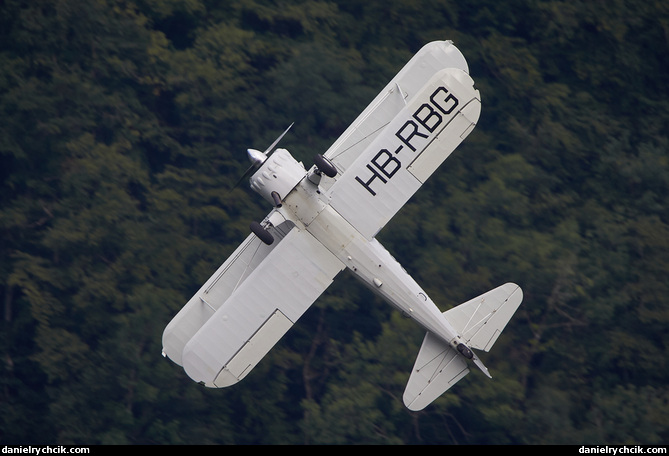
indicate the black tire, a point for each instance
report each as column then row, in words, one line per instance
column 262, row 233
column 325, row 166
column 465, row 351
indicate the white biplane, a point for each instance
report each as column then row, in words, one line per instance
column 325, row 219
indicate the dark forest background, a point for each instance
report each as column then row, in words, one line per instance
column 124, row 125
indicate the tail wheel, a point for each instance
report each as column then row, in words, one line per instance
column 262, row 233
column 465, row 351
column 325, row 166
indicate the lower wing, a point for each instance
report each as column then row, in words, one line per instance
column 217, row 289
column 386, row 174
column 260, row 311
column 430, row 59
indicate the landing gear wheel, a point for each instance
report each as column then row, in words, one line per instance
column 262, row 233
column 325, row 166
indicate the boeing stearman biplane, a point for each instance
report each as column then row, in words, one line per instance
column 325, row 219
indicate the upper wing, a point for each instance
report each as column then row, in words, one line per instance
column 430, row 59
column 260, row 310
column 481, row 320
column 407, row 151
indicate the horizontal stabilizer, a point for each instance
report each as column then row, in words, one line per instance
column 481, row 320
column 437, row 368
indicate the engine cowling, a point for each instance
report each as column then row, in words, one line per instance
column 279, row 173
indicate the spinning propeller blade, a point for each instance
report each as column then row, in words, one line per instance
column 276, row 141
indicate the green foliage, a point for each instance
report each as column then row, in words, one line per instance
column 123, row 129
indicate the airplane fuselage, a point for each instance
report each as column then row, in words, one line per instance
column 307, row 206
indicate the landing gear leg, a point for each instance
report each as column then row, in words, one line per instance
column 325, row 166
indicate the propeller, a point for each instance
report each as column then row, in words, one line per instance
column 258, row 158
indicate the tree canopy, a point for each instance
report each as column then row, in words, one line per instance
column 123, row 130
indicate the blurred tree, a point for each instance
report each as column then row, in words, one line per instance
column 124, row 126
